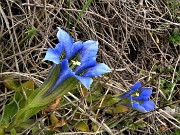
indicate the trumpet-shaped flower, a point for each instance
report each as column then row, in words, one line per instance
column 67, row 44
column 136, row 86
column 62, row 78
column 85, row 69
column 142, row 106
column 144, row 94
column 140, row 102
column 85, row 79
column 87, row 56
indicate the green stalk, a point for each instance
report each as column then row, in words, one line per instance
column 30, row 33
column 82, row 11
column 38, row 100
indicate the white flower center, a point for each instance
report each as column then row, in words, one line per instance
column 76, row 63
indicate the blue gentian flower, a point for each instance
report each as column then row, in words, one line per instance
column 140, row 102
column 85, row 79
column 67, row 44
column 142, row 106
column 83, row 70
column 136, row 86
column 144, row 94
column 87, row 56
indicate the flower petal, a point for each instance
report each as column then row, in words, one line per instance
column 136, row 86
column 64, row 37
column 65, row 73
column 66, row 41
column 89, row 50
column 85, row 65
column 97, row 70
column 148, row 105
column 50, row 72
column 54, row 54
column 86, row 81
column 138, row 107
column 76, row 47
column 145, row 93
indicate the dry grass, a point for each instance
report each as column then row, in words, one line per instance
column 133, row 41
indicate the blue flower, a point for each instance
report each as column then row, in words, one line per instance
column 144, row 94
column 136, row 86
column 85, row 79
column 140, row 102
column 67, row 44
column 83, row 70
column 87, row 56
column 142, row 106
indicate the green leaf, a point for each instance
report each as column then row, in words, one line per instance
column 162, row 81
column 1, row 130
column 110, row 100
column 120, row 109
column 11, row 109
column 11, row 84
column 40, row 101
column 133, row 127
column 170, row 69
column 19, row 99
column 94, row 127
column 82, row 11
column 56, row 122
column 16, row 102
column 25, row 125
column 27, row 87
column 141, row 124
column 178, row 17
column 177, row 132
column 13, row 132
column 49, row 132
column 170, row 85
column 175, row 31
column 30, row 32
column 8, row 113
column 35, row 129
column 95, row 96
column 174, row 38
column 82, row 126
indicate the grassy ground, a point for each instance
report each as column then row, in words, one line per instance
column 138, row 39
